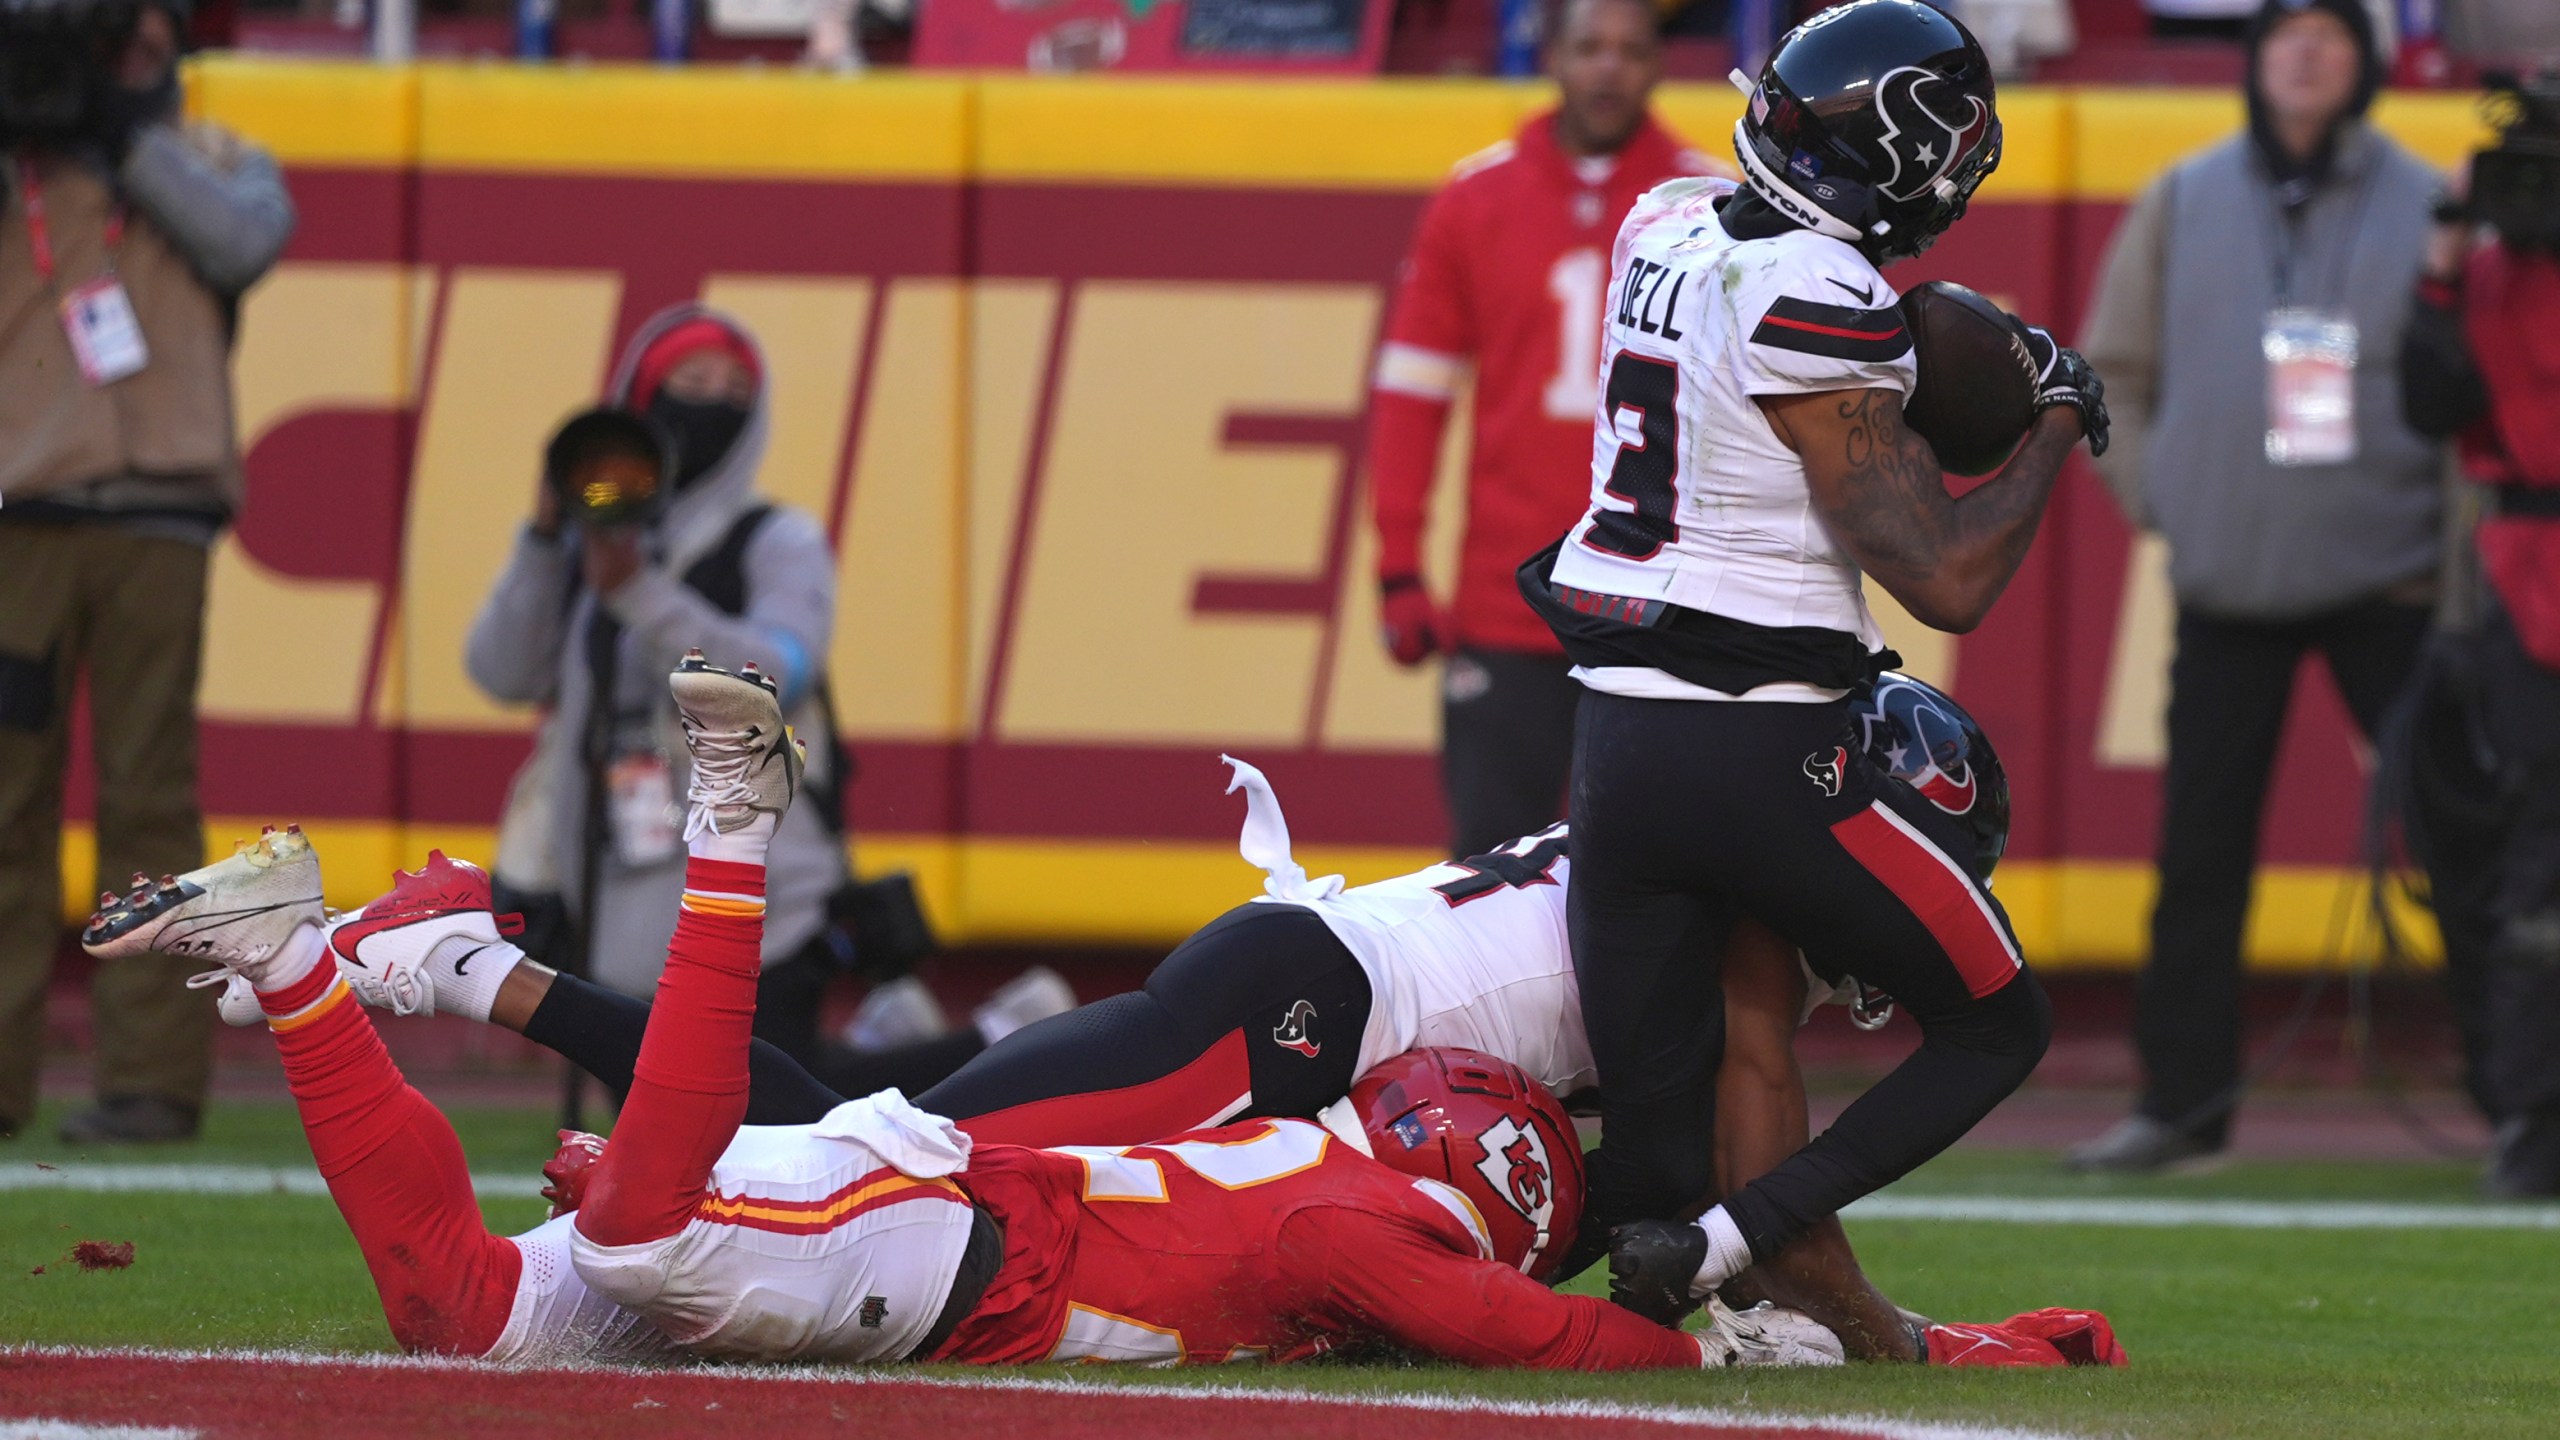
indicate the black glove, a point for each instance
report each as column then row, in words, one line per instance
column 2064, row 377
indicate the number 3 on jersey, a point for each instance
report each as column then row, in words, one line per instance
column 1646, row 472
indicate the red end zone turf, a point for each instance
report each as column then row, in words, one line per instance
column 226, row 1395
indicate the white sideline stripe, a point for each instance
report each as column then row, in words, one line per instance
column 218, row 1180
column 2131, row 1211
column 2224, row 1214
column 1878, row 1427
column 83, row 1431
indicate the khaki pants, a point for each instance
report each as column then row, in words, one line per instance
column 127, row 611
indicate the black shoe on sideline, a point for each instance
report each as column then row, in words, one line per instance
column 2527, row 1164
column 132, row 1120
column 1651, row 1263
column 2137, row 1145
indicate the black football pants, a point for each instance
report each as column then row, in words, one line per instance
column 599, row 1030
column 1506, row 745
column 1260, row 1012
column 1688, row 815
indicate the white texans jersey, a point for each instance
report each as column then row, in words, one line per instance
column 1695, row 500
column 836, row 1241
column 1472, row 954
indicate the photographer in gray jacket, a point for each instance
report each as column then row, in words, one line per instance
column 590, row 614
column 2247, row 323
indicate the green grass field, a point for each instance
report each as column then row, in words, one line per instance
column 2258, row 1332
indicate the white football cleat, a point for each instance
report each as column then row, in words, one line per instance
column 746, row 762
column 896, row 1012
column 383, row 949
column 1768, row 1335
column 1026, row 999
column 236, row 912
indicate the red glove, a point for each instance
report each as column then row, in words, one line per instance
column 564, row 1175
column 2045, row 1338
column 1411, row 625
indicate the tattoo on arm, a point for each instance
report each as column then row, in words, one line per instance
column 1877, row 484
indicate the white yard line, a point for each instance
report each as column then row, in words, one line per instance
column 1878, row 1427
column 215, row 1180
column 1992, row 1209
column 83, row 1431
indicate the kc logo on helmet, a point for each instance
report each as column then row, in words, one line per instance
column 1515, row 1165
column 1921, row 144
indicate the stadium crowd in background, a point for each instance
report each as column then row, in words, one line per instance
column 2478, row 365
column 2247, row 322
column 126, row 244
column 1507, row 273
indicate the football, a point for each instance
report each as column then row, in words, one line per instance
column 1976, row 391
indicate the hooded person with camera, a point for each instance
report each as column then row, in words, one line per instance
column 606, row 589
column 126, row 241
column 2478, row 365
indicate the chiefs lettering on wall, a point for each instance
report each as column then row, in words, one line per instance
column 1073, row 370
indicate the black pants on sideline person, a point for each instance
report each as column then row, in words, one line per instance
column 2229, row 689
column 1506, row 745
column 2485, row 794
column 1687, row 814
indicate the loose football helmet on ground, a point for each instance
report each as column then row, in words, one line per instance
column 1481, row 1125
column 1872, row 123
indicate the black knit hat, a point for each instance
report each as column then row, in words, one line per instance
column 2359, row 23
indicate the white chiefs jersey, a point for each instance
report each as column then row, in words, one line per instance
column 835, row 1241
column 1694, row 498
column 1467, row 955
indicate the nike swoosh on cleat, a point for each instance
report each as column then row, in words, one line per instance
column 198, row 924
column 354, row 932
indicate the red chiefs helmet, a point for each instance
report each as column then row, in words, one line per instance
column 1480, row 1124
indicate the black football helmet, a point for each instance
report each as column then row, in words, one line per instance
column 1872, row 123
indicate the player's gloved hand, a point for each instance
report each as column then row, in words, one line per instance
column 565, row 1175
column 1651, row 1265
column 1408, row 622
column 2064, row 377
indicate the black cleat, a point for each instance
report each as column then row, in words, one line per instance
column 1651, row 1263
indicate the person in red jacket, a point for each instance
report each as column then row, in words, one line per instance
column 1506, row 272
column 2477, row 365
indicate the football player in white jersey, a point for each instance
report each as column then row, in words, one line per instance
column 1470, row 955
column 880, row 1232
column 1749, row 462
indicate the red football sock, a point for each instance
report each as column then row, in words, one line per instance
column 397, row 1173
column 689, row 1088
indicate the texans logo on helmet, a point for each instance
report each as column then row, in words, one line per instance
column 1515, row 1164
column 1921, row 144
column 1947, row 793
column 1824, row 768
column 1294, row 1028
